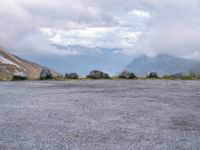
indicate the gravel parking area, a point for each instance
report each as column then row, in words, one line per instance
column 100, row 115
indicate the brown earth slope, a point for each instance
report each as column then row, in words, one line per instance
column 11, row 65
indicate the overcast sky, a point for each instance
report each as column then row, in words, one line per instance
column 136, row 27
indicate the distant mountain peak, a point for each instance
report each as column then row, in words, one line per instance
column 162, row 64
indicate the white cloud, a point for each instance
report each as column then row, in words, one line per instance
column 140, row 13
column 125, row 35
column 136, row 26
column 111, row 37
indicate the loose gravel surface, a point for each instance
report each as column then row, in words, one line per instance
column 100, row 115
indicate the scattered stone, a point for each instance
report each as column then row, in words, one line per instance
column 127, row 75
column 71, row 76
column 98, row 75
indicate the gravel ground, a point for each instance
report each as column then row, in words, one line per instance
column 100, row 115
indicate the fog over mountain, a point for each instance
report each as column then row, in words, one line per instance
column 135, row 28
column 108, row 60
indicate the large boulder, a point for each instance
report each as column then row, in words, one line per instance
column 19, row 76
column 152, row 75
column 98, row 75
column 46, row 74
column 127, row 75
column 71, row 76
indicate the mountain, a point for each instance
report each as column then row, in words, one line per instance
column 85, row 60
column 11, row 65
column 162, row 64
column 195, row 69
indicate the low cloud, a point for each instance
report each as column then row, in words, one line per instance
column 136, row 27
column 107, row 37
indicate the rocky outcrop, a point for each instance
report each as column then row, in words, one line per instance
column 127, row 75
column 152, row 75
column 98, row 75
column 71, row 76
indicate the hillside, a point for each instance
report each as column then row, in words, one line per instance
column 11, row 65
column 162, row 64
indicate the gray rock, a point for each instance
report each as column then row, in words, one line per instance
column 71, row 76
column 127, row 75
column 98, row 75
column 152, row 75
column 46, row 74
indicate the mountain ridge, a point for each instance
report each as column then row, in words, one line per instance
column 162, row 64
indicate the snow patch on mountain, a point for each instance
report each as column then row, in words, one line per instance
column 6, row 61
